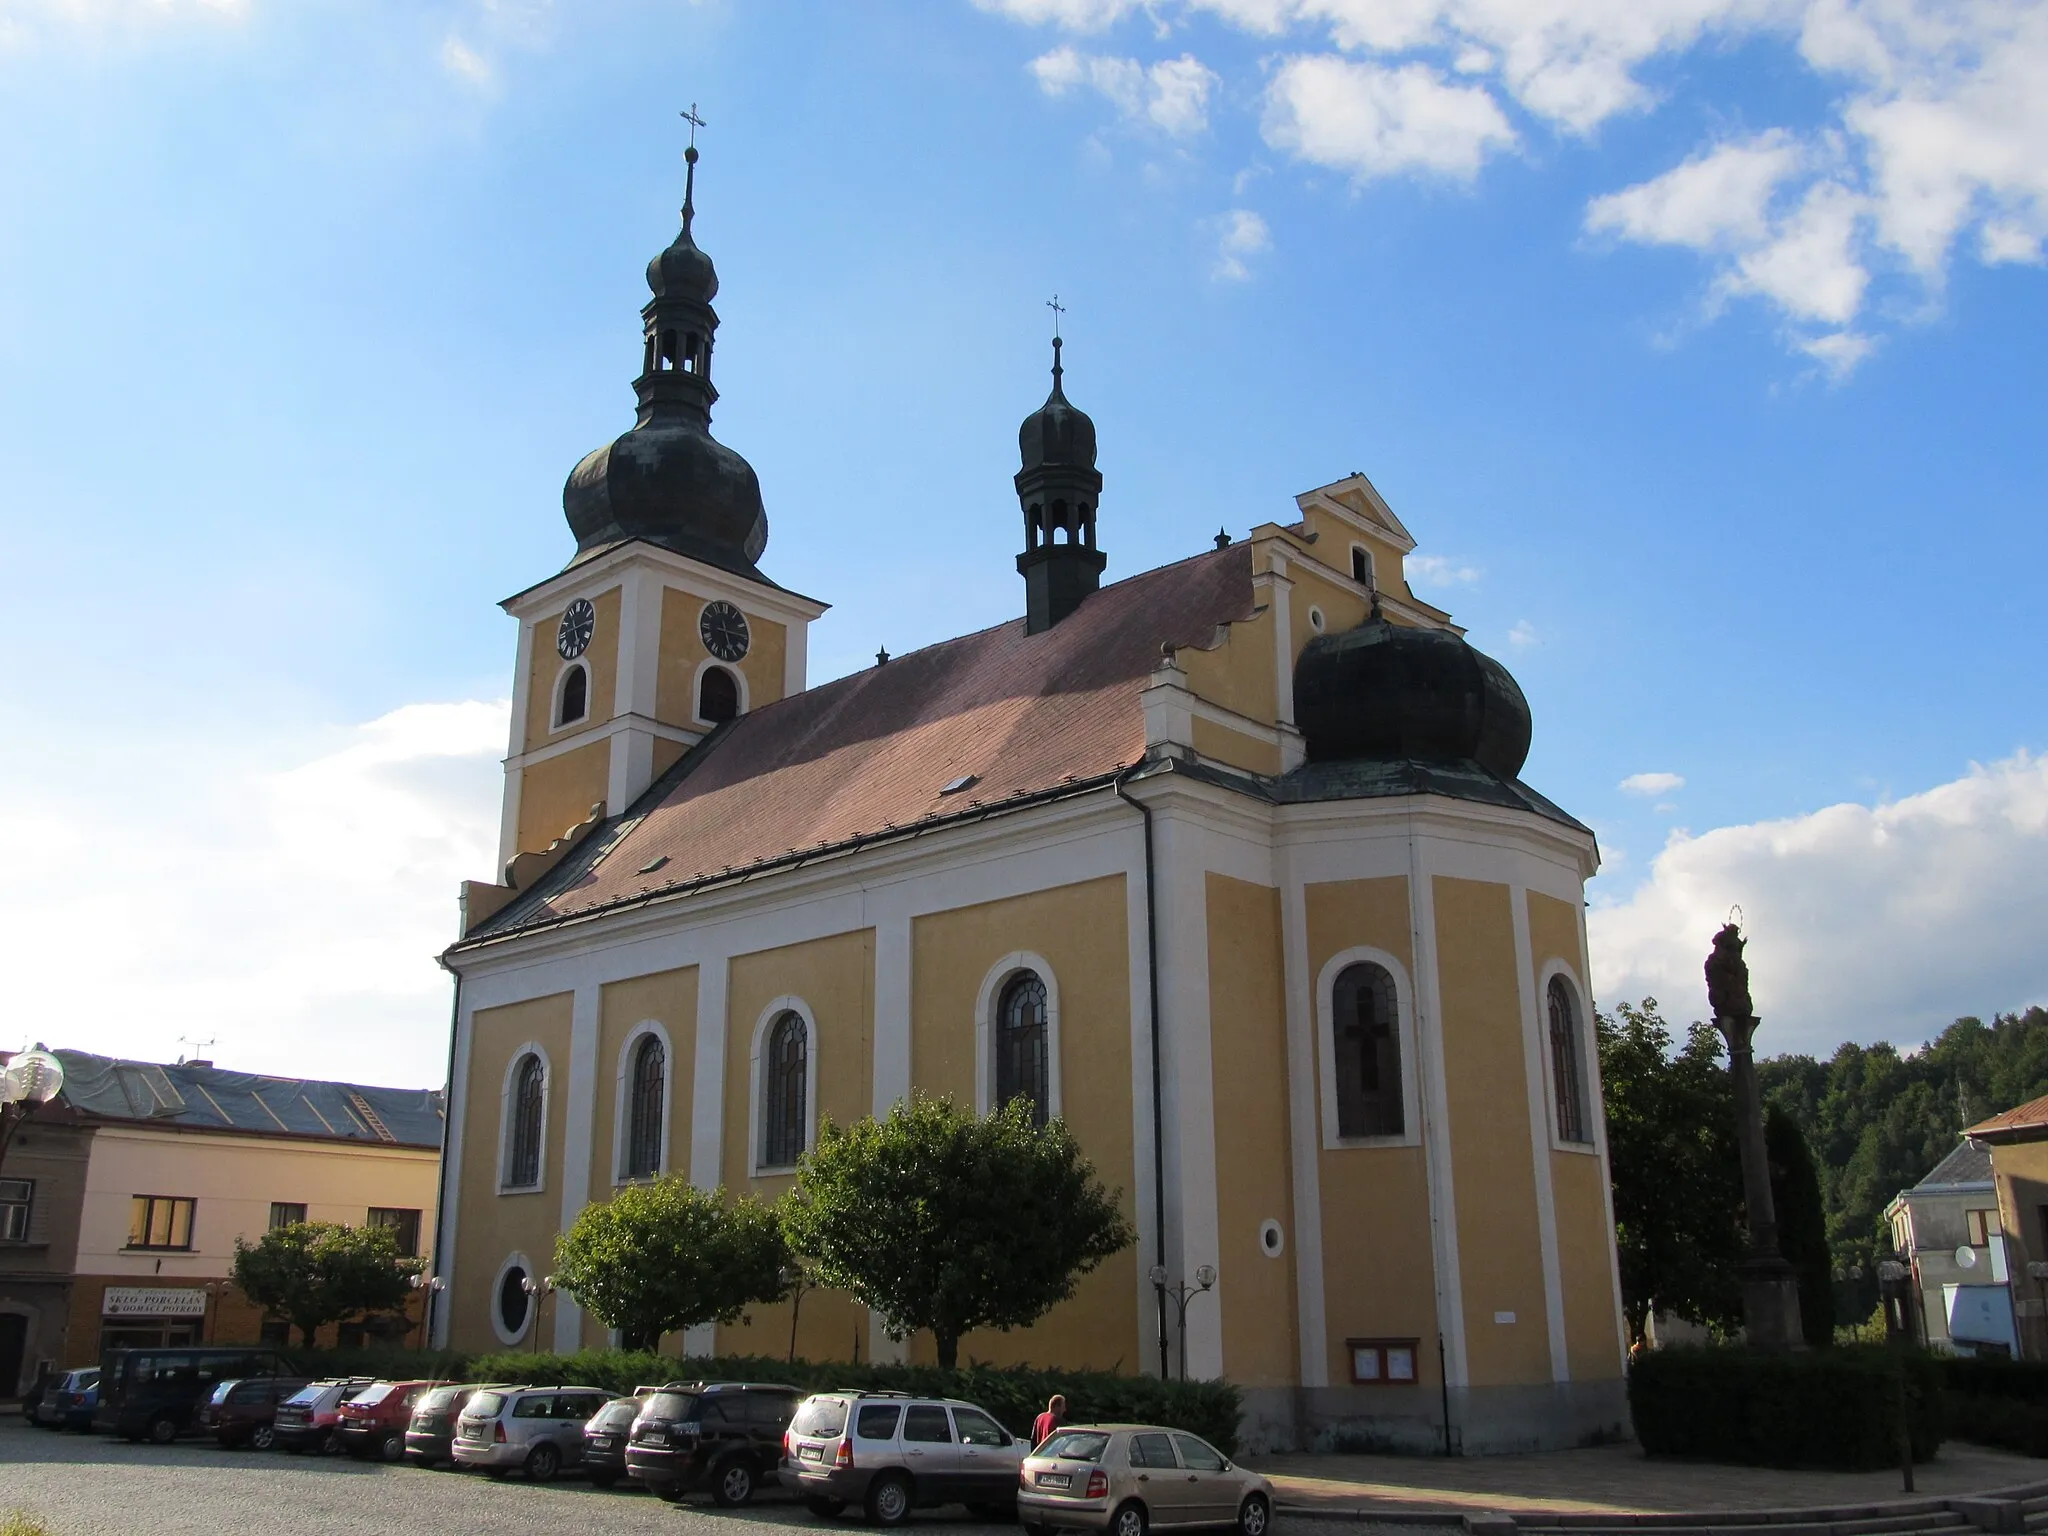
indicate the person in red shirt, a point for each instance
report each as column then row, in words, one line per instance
column 1047, row 1423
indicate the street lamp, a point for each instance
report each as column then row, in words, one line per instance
column 31, row 1079
column 539, row 1290
column 1893, row 1279
column 2038, row 1273
column 1182, row 1293
column 431, row 1285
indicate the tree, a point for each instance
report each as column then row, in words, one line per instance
column 312, row 1273
column 661, row 1257
column 935, row 1219
column 1677, row 1172
column 1802, row 1224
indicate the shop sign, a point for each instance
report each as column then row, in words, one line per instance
column 153, row 1301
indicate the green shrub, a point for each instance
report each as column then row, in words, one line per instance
column 22, row 1523
column 2005, row 1422
column 1814, row 1408
column 1987, row 1376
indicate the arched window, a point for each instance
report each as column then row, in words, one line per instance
column 575, row 698
column 646, row 1087
column 1022, row 1058
column 522, row 1152
column 1368, row 1052
column 785, row 1067
column 1567, row 1067
column 718, row 696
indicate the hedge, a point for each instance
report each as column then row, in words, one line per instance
column 1810, row 1408
column 1998, row 1402
column 1014, row 1394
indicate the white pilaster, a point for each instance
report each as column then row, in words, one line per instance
column 892, row 1063
column 1143, row 1182
column 447, row 1218
column 1305, row 1242
column 1533, row 1046
column 1436, row 1111
column 515, row 746
column 578, row 1112
column 707, row 1077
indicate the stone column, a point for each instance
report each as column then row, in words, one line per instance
column 1770, row 1288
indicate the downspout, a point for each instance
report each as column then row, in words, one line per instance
column 1158, row 1090
column 441, row 1174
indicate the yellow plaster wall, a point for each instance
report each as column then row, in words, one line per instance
column 601, row 656
column 1238, row 672
column 682, row 649
column 1343, row 609
column 1234, row 747
column 1081, row 933
column 492, row 1225
column 1334, row 538
column 558, row 792
column 670, row 999
column 1254, row 1182
column 1375, row 1200
column 1592, row 1331
column 1500, row 1263
column 835, row 978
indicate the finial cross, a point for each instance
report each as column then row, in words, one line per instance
column 1057, row 309
column 695, row 123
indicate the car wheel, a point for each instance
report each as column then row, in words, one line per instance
column 542, row 1463
column 1129, row 1520
column 823, row 1507
column 733, row 1485
column 1254, row 1515
column 889, row 1499
column 261, row 1438
column 392, row 1448
column 668, row 1493
column 330, row 1444
column 163, row 1430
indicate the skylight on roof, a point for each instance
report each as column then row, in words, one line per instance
column 965, row 781
column 653, row 864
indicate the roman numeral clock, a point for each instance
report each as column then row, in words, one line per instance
column 723, row 629
column 574, row 635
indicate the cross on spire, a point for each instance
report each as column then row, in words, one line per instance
column 690, row 160
column 695, row 123
column 1057, row 309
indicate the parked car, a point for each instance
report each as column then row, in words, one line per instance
column 244, row 1411
column 892, row 1453
column 605, row 1437
column 373, row 1422
column 537, row 1430
column 307, row 1420
column 725, row 1436
column 157, row 1393
column 430, row 1433
column 68, row 1400
column 1126, row 1479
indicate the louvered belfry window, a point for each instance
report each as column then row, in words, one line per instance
column 1023, row 1059
column 647, row 1086
column 522, row 1161
column 1567, row 1066
column 783, row 1086
column 1368, row 1052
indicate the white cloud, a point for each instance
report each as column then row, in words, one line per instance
column 1717, row 200
column 1649, row 784
column 458, row 58
column 283, row 898
column 1440, row 571
column 1837, row 352
column 1865, row 922
column 1071, row 15
column 1172, row 95
column 1371, row 120
column 1244, row 234
column 1523, row 635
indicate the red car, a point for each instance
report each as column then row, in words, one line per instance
column 373, row 1422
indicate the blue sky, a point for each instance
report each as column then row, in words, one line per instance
column 1699, row 343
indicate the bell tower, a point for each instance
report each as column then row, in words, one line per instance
column 1058, row 488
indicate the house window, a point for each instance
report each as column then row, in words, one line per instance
column 1361, row 566
column 718, row 696
column 1022, row 1058
column 1983, row 1227
column 646, row 1088
column 574, row 703
column 160, row 1221
column 403, row 1224
column 522, row 1156
column 286, row 1213
column 1567, row 1065
column 784, row 1069
column 17, row 1197
column 1368, row 1052
column 1382, row 1362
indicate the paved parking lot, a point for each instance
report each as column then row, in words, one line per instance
column 89, row 1485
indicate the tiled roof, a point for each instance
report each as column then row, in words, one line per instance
column 201, row 1097
column 1969, row 1163
column 1026, row 715
column 2029, row 1122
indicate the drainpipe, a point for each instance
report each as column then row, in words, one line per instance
column 441, row 1174
column 1158, row 1091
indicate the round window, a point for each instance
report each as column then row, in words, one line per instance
column 1315, row 620
column 513, row 1301
column 1272, row 1241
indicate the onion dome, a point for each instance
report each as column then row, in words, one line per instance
column 668, row 480
column 1389, row 691
column 1057, row 488
column 1059, row 434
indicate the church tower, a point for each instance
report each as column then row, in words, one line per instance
column 1058, row 486
column 662, row 627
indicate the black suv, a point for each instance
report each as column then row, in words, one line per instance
column 725, row 1436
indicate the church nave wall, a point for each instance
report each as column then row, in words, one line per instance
column 668, row 1000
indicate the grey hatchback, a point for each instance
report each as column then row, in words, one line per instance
column 538, row 1430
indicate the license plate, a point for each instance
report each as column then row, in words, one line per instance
column 600, row 1442
column 810, row 1453
column 1055, row 1480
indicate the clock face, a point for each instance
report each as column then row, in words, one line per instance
column 577, row 624
column 723, row 629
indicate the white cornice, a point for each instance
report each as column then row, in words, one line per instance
column 617, row 725
column 606, row 570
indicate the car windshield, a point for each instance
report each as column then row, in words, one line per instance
column 371, row 1396
column 670, row 1405
column 617, row 1415
column 1075, row 1445
column 820, row 1416
column 485, row 1405
column 220, row 1393
column 307, row 1396
column 440, row 1400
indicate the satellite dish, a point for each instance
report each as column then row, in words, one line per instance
column 1966, row 1258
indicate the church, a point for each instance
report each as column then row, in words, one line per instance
column 1227, row 863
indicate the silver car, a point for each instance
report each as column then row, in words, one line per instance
column 890, row 1454
column 1129, row 1478
column 535, row 1430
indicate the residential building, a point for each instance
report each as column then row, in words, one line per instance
column 122, row 1199
column 2018, row 1143
column 1949, row 1230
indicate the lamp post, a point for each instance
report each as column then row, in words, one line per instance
column 429, row 1286
column 1181, row 1293
column 539, row 1290
column 1895, row 1286
column 2038, row 1273
column 31, row 1079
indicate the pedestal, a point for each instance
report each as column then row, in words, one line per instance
column 1770, row 1304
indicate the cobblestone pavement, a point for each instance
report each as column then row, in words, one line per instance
column 89, row 1485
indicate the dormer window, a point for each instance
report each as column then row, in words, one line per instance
column 1361, row 565
column 572, row 695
